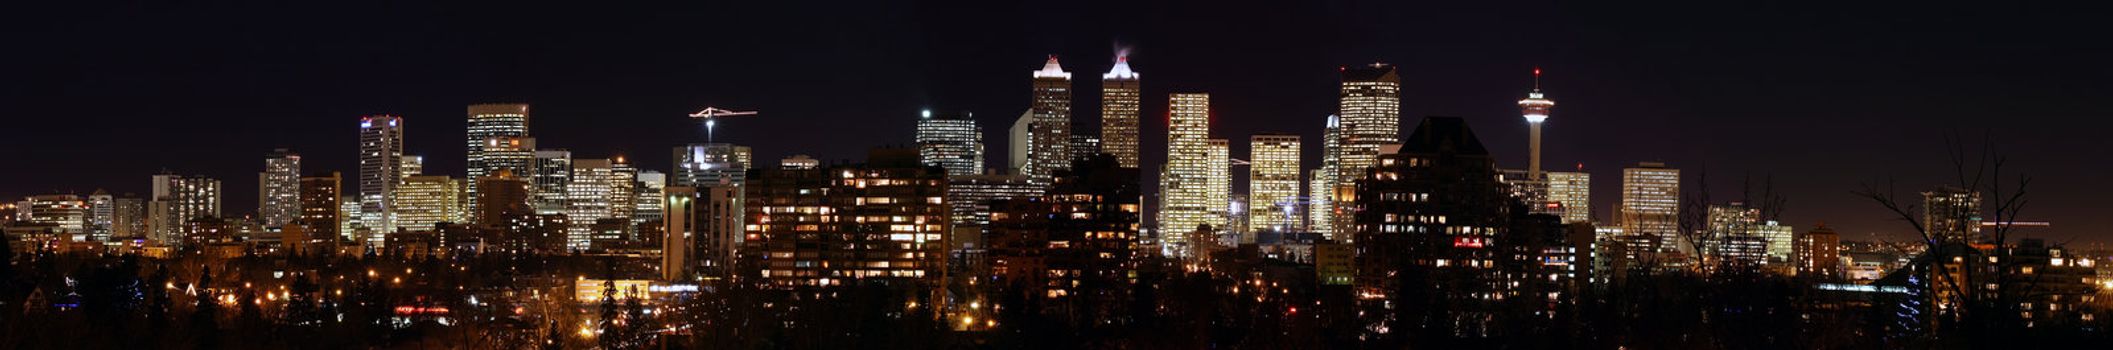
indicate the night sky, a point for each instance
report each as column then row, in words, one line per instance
column 1822, row 96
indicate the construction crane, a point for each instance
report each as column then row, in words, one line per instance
column 711, row 117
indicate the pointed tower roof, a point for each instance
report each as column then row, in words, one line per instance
column 1052, row 70
column 1121, row 70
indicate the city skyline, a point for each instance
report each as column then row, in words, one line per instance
column 1867, row 137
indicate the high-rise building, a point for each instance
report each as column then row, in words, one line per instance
column 67, row 213
column 652, row 204
column 623, row 189
column 178, row 199
column 1818, row 253
column 718, row 215
column 1273, row 182
column 1074, row 244
column 319, row 206
column 1535, row 107
column 552, row 179
column 511, row 153
column 880, row 222
column 1218, row 185
column 679, row 228
column 128, row 218
column 950, row 141
column 507, row 122
column 1184, row 182
column 1370, row 121
column 587, row 197
column 1650, row 204
column 1952, row 214
column 1120, row 97
column 1084, row 146
column 504, row 195
column 425, row 200
column 349, row 225
column 1051, row 131
column 1438, row 211
column 1321, row 188
column 1018, row 142
column 971, row 197
column 700, row 165
column 1573, row 192
column 381, row 169
column 1780, row 239
column 101, row 210
column 279, row 188
column 1732, row 237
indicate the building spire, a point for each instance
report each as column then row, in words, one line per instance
column 1537, row 79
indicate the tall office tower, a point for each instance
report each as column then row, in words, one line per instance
column 1120, row 98
column 1321, row 192
column 652, row 203
column 1272, row 182
column 101, row 208
column 413, row 165
column 1437, row 209
column 1084, row 146
column 1573, row 192
column 1184, row 182
column 1732, row 237
column 587, row 197
column 504, row 195
column 1074, row 244
column 718, row 213
column 679, row 227
column 551, row 176
column 799, row 161
column 381, row 169
column 279, row 188
column 319, row 206
column 1370, row 120
column 510, row 153
column 505, row 121
column 623, row 188
column 1780, row 239
column 65, row 212
column 710, row 164
column 970, row 197
column 1650, row 205
column 1218, row 183
column 349, row 226
column 178, row 199
column 1952, row 215
column 1535, row 107
column 1051, row 130
column 128, row 218
column 425, row 200
column 1019, row 140
column 950, row 141
column 881, row 222
column 1818, row 253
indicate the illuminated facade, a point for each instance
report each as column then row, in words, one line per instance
column 101, row 208
column 505, row 195
column 1272, row 181
column 506, row 121
column 68, row 213
column 1434, row 210
column 1050, row 133
column 1650, row 204
column 551, row 176
column 970, row 195
column 425, row 200
column 1733, row 238
column 279, row 188
column 1818, row 253
column 1120, row 97
column 881, row 222
column 1084, row 146
column 1535, row 107
column 1072, row 247
column 1370, row 120
column 381, row 169
column 950, row 141
column 177, row 200
column 1184, row 183
column 1952, row 214
column 652, row 203
column 1218, row 184
column 1320, row 193
column 319, row 206
column 128, row 218
column 516, row 155
column 710, row 164
column 1573, row 192
column 587, row 198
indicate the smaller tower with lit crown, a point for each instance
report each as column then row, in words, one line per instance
column 1536, row 107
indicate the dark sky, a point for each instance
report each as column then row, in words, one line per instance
column 1822, row 96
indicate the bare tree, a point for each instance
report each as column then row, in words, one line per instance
column 1977, row 172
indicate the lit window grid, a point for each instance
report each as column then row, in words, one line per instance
column 954, row 144
column 1119, row 117
column 1218, row 184
column 279, row 190
column 1273, row 179
column 381, row 169
column 1184, row 196
column 1574, row 191
column 1051, row 131
column 1650, row 201
column 423, row 201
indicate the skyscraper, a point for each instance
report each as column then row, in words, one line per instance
column 319, row 206
column 1436, row 211
column 623, row 188
column 1952, row 215
column 381, row 169
column 1572, row 191
column 425, row 200
column 1371, row 120
column 1050, row 134
column 511, row 153
column 587, row 197
column 505, row 196
column 101, row 210
column 1272, row 181
column 880, row 222
column 1218, row 184
column 128, row 218
column 652, row 196
column 178, row 199
column 508, row 121
column 1818, row 253
column 1650, row 203
column 950, row 141
column 1019, row 140
column 1119, row 111
column 1321, row 192
column 1184, row 182
column 552, row 177
column 279, row 188
column 710, row 164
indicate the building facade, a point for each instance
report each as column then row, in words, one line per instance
column 1273, row 182
column 1120, row 102
column 1184, row 182
column 279, row 188
column 507, row 122
column 381, row 169
column 1650, row 205
column 950, row 141
column 1050, row 132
